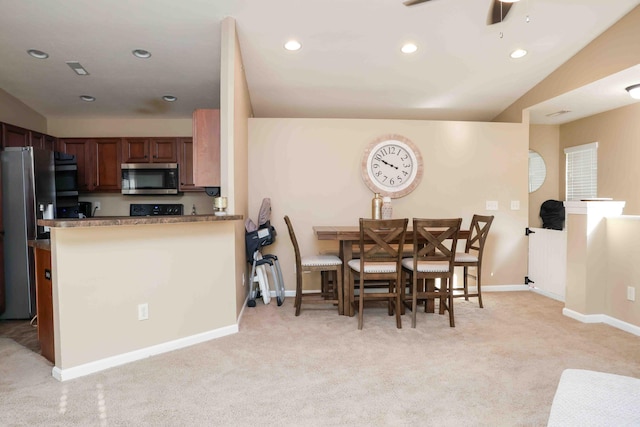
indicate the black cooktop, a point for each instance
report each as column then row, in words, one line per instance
column 153, row 209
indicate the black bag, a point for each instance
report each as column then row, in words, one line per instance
column 552, row 214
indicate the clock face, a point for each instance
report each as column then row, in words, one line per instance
column 392, row 166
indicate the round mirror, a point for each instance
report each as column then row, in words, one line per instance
column 537, row 171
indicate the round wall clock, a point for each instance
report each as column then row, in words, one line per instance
column 392, row 166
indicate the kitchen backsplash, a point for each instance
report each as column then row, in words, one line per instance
column 118, row 205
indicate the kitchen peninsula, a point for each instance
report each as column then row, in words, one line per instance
column 126, row 288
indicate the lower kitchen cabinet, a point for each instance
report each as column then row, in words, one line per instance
column 44, row 303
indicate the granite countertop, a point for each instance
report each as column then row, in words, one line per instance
column 107, row 221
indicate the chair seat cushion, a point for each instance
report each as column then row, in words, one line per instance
column 426, row 266
column 320, row 260
column 373, row 267
column 465, row 257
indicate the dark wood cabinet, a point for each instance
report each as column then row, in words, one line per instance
column 149, row 150
column 98, row 160
column 185, row 160
column 40, row 140
column 2, row 284
column 44, row 303
column 80, row 148
column 106, row 164
column 14, row 136
column 206, row 147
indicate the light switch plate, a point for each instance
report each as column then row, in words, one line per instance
column 515, row 205
column 492, row 205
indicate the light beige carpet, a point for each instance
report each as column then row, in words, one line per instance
column 499, row 366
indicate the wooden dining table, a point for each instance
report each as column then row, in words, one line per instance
column 348, row 236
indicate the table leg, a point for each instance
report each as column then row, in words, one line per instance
column 430, row 302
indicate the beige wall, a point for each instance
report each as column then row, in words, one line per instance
column 234, row 115
column 623, row 269
column 69, row 127
column 101, row 274
column 15, row 112
column 310, row 168
column 603, row 259
column 618, row 134
column 614, row 50
column 545, row 140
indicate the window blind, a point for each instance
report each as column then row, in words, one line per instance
column 582, row 171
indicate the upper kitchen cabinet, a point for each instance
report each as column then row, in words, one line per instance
column 206, row 148
column 149, row 150
column 98, row 160
column 185, row 160
column 107, row 173
column 79, row 147
column 40, row 140
column 14, row 136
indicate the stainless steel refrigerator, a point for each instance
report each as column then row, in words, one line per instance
column 28, row 194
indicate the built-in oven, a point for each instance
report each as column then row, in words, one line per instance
column 150, row 178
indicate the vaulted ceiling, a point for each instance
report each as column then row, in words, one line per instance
column 350, row 64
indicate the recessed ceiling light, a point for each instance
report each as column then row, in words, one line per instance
column 518, row 53
column 292, row 45
column 87, row 98
column 141, row 53
column 79, row 69
column 169, row 98
column 38, row 54
column 409, row 48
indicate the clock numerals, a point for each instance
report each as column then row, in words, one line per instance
column 392, row 166
column 387, row 161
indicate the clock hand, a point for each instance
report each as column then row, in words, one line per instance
column 388, row 164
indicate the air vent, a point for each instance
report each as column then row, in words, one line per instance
column 558, row 113
column 79, row 69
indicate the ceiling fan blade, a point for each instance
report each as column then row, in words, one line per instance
column 499, row 12
column 412, row 2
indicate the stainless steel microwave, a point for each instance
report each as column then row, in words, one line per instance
column 150, row 178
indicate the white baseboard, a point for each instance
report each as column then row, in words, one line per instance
column 602, row 318
column 121, row 359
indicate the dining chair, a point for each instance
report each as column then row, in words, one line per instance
column 472, row 256
column 434, row 247
column 380, row 258
column 330, row 268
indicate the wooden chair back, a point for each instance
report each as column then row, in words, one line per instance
column 296, row 248
column 478, row 232
column 382, row 240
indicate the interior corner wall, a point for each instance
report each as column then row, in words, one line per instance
column 17, row 113
column 614, row 50
column 545, row 140
column 235, row 112
column 617, row 133
column 310, row 169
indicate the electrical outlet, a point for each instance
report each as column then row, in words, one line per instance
column 631, row 293
column 143, row 311
column 96, row 205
